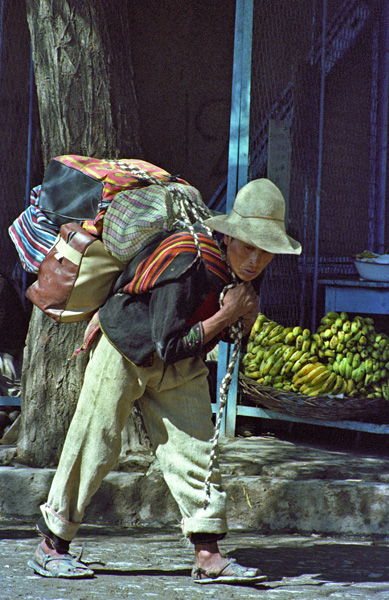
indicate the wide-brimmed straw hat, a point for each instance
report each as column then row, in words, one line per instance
column 258, row 218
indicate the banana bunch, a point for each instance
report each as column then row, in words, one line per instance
column 344, row 356
column 356, row 352
column 315, row 379
column 276, row 353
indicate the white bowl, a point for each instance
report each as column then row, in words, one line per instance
column 372, row 271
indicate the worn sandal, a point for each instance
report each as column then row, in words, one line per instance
column 62, row 565
column 241, row 575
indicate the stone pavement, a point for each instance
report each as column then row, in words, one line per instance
column 273, row 485
column 146, row 563
column 311, row 509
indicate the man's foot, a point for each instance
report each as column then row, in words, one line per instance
column 50, row 563
column 211, row 567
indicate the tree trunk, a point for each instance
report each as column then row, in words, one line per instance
column 87, row 106
column 84, row 78
column 50, row 387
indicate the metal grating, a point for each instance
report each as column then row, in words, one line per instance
column 287, row 87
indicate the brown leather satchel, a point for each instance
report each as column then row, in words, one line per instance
column 76, row 276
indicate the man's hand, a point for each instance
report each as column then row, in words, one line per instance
column 242, row 301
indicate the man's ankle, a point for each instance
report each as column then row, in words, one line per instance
column 57, row 543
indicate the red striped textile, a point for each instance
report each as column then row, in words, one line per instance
column 116, row 175
column 151, row 268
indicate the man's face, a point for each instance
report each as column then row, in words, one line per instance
column 246, row 261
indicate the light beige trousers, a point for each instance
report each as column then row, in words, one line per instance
column 176, row 408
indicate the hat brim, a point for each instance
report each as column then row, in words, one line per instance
column 265, row 235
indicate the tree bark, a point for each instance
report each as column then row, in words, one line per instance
column 87, row 105
column 50, row 387
column 84, row 78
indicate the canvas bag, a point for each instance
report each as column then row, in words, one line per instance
column 75, row 277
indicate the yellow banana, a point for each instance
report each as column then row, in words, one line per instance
column 305, row 369
column 253, row 374
column 320, row 377
column 309, row 390
column 350, row 387
column 306, row 373
column 305, row 356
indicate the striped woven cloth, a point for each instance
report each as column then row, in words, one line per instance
column 155, row 268
column 33, row 234
column 116, row 175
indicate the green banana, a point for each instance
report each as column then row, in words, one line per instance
column 333, row 315
column 297, row 330
column 288, row 353
column 275, row 332
column 289, row 338
column 266, row 329
column 292, row 359
column 276, row 367
column 342, row 366
column 267, row 364
column 270, row 350
column 334, row 342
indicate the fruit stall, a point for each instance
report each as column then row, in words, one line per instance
column 336, row 376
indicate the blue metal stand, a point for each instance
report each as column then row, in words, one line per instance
column 238, row 157
column 10, row 401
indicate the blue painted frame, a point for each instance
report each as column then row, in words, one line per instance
column 238, row 163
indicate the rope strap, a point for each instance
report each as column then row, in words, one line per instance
column 236, row 331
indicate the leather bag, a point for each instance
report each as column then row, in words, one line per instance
column 76, row 276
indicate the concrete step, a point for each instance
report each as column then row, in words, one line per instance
column 272, row 485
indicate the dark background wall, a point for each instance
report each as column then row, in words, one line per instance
column 182, row 56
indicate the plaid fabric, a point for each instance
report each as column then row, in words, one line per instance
column 152, row 270
column 134, row 217
column 33, row 234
